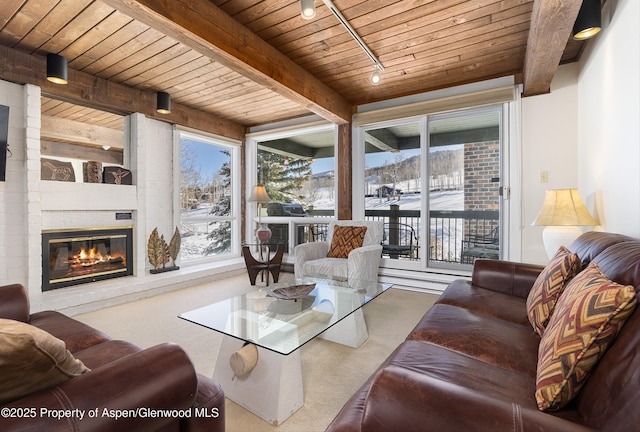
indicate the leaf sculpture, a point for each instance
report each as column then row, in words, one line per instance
column 174, row 246
column 165, row 250
column 155, row 250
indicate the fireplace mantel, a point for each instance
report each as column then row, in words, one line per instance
column 58, row 196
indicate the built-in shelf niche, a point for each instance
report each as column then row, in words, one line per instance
column 76, row 134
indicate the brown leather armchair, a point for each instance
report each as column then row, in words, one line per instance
column 148, row 389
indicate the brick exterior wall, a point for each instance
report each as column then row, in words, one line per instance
column 481, row 164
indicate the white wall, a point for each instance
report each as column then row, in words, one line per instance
column 609, row 120
column 586, row 132
column 549, row 143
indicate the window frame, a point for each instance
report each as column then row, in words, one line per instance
column 236, row 175
column 251, row 178
column 423, row 263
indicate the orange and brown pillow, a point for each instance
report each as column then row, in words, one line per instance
column 586, row 320
column 549, row 285
column 31, row 359
column 345, row 239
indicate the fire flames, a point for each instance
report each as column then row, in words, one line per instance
column 92, row 257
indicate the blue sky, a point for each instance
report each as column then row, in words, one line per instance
column 211, row 158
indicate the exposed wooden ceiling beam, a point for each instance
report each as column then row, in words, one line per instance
column 200, row 25
column 73, row 151
column 88, row 90
column 80, row 133
column 490, row 133
column 286, row 147
column 382, row 139
column 550, row 30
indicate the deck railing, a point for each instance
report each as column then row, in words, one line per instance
column 450, row 231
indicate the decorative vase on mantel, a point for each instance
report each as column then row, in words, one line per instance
column 263, row 233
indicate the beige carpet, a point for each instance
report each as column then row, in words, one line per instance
column 331, row 372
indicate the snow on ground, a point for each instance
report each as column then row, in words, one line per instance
column 195, row 227
column 194, row 230
column 446, row 234
column 440, row 200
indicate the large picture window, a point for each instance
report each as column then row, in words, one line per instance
column 297, row 168
column 208, row 215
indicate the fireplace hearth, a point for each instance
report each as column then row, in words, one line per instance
column 73, row 257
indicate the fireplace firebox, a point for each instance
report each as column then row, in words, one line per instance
column 73, row 257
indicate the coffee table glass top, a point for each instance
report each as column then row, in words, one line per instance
column 284, row 325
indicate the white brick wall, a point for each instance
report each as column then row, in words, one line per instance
column 35, row 216
column 28, row 206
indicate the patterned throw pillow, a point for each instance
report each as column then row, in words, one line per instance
column 549, row 285
column 345, row 239
column 588, row 317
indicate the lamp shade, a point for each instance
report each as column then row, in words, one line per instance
column 561, row 214
column 163, row 103
column 564, row 207
column 57, row 69
column 259, row 194
column 588, row 22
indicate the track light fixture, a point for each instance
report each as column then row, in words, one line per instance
column 375, row 77
column 307, row 9
column 163, row 103
column 57, row 69
column 588, row 23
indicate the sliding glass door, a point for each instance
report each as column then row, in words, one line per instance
column 435, row 182
column 392, row 177
column 464, row 186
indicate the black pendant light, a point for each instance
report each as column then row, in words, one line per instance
column 57, row 69
column 589, row 20
column 163, row 103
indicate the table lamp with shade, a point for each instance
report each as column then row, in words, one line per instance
column 259, row 195
column 562, row 212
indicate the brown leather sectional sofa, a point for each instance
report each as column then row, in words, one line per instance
column 154, row 389
column 470, row 363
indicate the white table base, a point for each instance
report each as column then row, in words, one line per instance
column 273, row 389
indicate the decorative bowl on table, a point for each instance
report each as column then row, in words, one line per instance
column 293, row 292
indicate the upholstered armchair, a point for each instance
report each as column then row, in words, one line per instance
column 361, row 263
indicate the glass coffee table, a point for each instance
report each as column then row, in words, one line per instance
column 272, row 324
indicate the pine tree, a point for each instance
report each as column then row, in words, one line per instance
column 283, row 177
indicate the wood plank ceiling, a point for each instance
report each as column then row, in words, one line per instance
column 252, row 62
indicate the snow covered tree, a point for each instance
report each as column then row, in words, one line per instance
column 220, row 234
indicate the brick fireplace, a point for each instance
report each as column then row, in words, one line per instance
column 79, row 256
